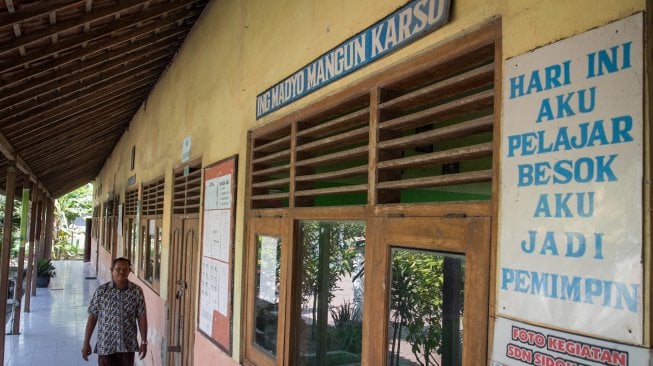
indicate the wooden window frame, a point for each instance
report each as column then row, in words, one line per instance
column 130, row 226
column 283, row 197
column 151, row 211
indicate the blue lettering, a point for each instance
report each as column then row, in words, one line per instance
column 576, row 289
column 535, row 84
column 517, row 86
column 621, row 127
column 598, row 63
column 572, row 250
column 521, row 282
column 549, row 244
column 581, row 100
column 593, row 288
column 542, row 209
column 624, row 294
column 529, row 247
column 570, row 290
column 545, row 111
column 598, row 245
column 507, row 276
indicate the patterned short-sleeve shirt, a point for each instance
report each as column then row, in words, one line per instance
column 117, row 311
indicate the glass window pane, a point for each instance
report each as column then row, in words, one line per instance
column 132, row 239
column 329, row 331
column 149, row 262
column 157, row 254
column 426, row 308
column 268, row 266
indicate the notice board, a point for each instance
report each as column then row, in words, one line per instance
column 216, row 284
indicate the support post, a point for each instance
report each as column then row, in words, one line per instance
column 18, row 294
column 6, row 246
column 38, row 242
column 32, row 246
column 49, row 229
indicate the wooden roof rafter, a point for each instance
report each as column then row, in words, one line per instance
column 72, row 75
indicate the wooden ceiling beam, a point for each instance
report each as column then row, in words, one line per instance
column 59, row 63
column 73, row 92
column 70, row 153
column 93, row 16
column 39, row 10
column 35, row 90
column 119, row 107
column 60, row 111
column 40, row 142
column 72, row 75
column 8, row 151
column 37, row 128
column 87, row 38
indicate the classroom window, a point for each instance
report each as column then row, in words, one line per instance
column 407, row 153
column 151, row 232
column 130, row 226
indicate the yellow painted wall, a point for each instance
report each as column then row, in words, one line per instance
column 239, row 48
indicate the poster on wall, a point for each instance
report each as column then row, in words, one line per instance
column 216, row 284
column 570, row 232
column 518, row 344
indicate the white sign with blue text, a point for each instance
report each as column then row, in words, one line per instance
column 398, row 29
column 570, row 232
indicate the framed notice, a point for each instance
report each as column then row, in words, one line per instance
column 570, row 232
column 216, row 284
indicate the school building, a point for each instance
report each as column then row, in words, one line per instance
column 426, row 182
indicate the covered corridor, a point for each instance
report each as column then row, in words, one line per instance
column 52, row 332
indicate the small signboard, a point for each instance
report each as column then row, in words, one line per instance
column 518, row 344
column 405, row 25
column 185, row 149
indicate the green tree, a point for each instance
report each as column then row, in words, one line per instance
column 67, row 208
column 15, row 228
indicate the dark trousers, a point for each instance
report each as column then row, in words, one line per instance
column 116, row 359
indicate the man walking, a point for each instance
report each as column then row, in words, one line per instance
column 116, row 307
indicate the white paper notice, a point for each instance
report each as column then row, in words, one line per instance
column 211, row 194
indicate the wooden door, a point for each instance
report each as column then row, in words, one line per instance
column 463, row 240
column 182, row 284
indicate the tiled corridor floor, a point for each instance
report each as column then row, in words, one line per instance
column 51, row 333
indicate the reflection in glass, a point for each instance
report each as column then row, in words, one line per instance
column 132, row 239
column 426, row 308
column 150, row 251
column 331, row 278
column 157, row 254
column 142, row 250
column 268, row 265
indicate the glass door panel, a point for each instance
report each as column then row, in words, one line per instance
column 265, row 319
column 331, row 282
column 426, row 308
column 268, row 282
